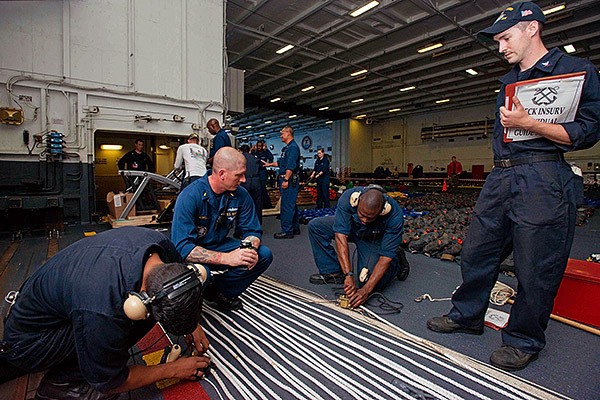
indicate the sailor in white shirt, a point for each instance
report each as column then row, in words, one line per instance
column 194, row 156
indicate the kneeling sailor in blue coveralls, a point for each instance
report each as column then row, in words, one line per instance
column 78, row 315
column 373, row 222
column 205, row 213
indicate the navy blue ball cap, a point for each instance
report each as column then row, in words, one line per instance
column 517, row 12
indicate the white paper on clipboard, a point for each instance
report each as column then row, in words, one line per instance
column 552, row 99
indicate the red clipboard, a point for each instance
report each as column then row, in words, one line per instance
column 511, row 90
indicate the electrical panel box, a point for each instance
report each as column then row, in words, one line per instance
column 54, row 144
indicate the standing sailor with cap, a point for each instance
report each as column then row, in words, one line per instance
column 194, row 157
column 529, row 199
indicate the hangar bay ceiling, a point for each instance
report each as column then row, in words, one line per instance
column 374, row 66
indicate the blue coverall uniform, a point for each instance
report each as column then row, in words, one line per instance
column 252, row 184
column 265, row 156
column 68, row 316
column 221, row 139
column 378, row 238
column 202, row 218
column 530, row 207
column 322, row 166
column 290, row 160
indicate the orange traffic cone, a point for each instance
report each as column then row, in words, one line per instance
column 444, row 187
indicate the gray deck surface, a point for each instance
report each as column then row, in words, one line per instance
column 570, row 364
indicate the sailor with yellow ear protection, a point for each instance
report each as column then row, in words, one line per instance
column 68, row 317
column 136, row 305
column 372, row 220
column 355, row 198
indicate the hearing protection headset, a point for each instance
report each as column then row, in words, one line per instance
column 136, row 305
column 355, row 197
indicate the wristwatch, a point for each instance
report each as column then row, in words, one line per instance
column 246, row 244
column 349, row 273
column 286, row 180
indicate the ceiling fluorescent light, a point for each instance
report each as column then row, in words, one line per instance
column 395, row 110
column 442, row 101
column 430, row 47
column 323, row 108
column 554, row 9
column 404, row 89
column 292, row 116
column 357, row 100
column 268, row 122
column 111, row 147
column 285, row 48
column 248, row 126
column 329, row 122
column 570, row 48
column 471, row 71
column 364, row 8
column 497, row 91
column 356, row 73
column 360, row 116
column 275, row 99
column 306, row 89
column 261, row 135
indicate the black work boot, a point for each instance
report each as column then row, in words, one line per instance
column 57, row 389
column 444, row 324
column 216, row 299
column 403, row 263
column 322, row 279
column 510, row 358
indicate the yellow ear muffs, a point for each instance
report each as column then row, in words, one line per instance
column 135, row 306
column 387, row 207
column 202, row 273
column 354, row 197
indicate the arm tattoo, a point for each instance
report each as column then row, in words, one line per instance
column 202, row 255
